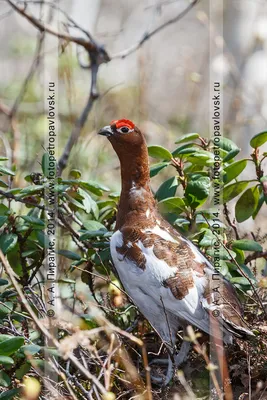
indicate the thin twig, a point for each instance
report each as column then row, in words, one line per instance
column 32, row 70
column 148, row 35
column 231, row 223
column 254, row 256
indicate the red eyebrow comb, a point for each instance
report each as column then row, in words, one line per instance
column 123, row 122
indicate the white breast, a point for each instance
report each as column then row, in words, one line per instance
column 149, row 281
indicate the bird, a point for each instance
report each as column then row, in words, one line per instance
column 167, row 277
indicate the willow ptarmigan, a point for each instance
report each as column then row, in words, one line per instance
column 167, row 277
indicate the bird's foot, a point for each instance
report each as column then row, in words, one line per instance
column 162, row 380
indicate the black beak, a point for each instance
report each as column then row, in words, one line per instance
column 106, row 131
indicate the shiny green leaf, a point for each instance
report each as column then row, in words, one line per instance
column 187, row 137
column 69, row 254
column 159, row 152
column 3, row 220
column 7, row 242
column 167, row 189
column 5, row 381
column 247, row 204
column 258, row 140
column 246, row 244
column 156, row 168
column 6, row 360
column 233, row 190
column 10, row 345
column 33, row 221
column 197, row 191
column 234, row 170
column 173, row 203
column 6, row 171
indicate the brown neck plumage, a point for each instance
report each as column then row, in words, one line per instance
column 136, row 196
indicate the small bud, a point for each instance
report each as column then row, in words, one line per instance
column 211, row 367
column 31, row 389
column 109, row 396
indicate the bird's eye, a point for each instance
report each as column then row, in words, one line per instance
column 124, row 129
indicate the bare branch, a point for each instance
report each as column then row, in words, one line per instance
column 62, row 163
column 148, row 35
column 231, row 223
column 34, row 65
column 254, row 256
column 42, row 27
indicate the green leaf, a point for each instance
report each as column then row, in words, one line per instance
column 9, row 394
column 159, row 152
column 156, row 168
column 89, row 203
column 197, row 191
column 6, row 308
column 3, row 220
column 240, row 280
column 92, row 234
column 173, row 203
column 32, row 189
column 240, row 255
column 167, row 189
column 114, row 195
column 6, row 360
column 49, row 167
column 7, row 242
column 43, row 239
column 28, row 253
column 187, row 137
column 23, row 370
column 86, row 200
column 260, row 203
column 10, row 345
column 184, row 151
column 248, row 245
column 6, row 171
column 73, row 201
column 258, row 140
column 33, row 221
column 94, row 187
column 93, row 226
column 3, row 282
column 233, row 170
column 223, row 254
column 208, row 239
column 30, row 349
column 3, row 184
column 5, row 381
column 231, row 155
column 69, row 254
column 246, row 204
column 227, row 144
column 106, row 204
column 75, row 173
column 201, row 157
column 3, row 158
column 233, row 190
column 248, row 272
column 3, row 209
